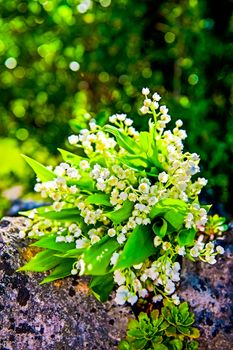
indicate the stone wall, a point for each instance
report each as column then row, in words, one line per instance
column 64, row 316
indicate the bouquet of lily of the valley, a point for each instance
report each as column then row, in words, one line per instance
column 124, row 209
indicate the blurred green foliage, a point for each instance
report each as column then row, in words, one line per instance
column 63, row 60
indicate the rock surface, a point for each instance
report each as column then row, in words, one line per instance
column 209, row 291
column 56, row 316
column 63, row 316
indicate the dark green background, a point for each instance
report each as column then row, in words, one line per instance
column 182, row 49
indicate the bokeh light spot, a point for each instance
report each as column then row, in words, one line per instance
column 84, row 6
column 105, row 3
column 103, row 77
column 193, row 79
column 169, row 37
column 18, row 110
column 74, row 66
column 11, row 63
column 147, row 72
column 184, row 101
column 22, row 134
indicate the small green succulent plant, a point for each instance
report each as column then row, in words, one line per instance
column 169, row 330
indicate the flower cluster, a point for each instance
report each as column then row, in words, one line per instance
column 125, row 204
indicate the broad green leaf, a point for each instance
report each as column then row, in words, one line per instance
column 175, row 218
column 144, row 138
column 123, row 140
column 75, row 125
column 102, row 286
column 135, row 161
column 97, row 257
column 102, row 118
column 69, row 214
column 152, row 152
column 186, row 237
column 71, row 157
column 138, row 247
column 42, row 261
column 41, row 171
column 163, row 206
column 50, row 243
column 99, row 199
column 101, row 160
column 62, row 270
column 122, row 214
column 73, row 253
column 160, row 230
column 85, row 183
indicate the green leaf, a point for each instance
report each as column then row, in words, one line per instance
column 138, row 247
column 71, row 157
column 75, row 125
column 102, row 118
column 122, row 214
column 73, row 253
column 62, row 270
column 184, row 330
column 123, row 345
column 136, row 333
column 184, row 309
column 152, row 152
column 41, row 171
column 175, row 218
column 50, row 243
column 137, row 162
column 133, row 324
column 159, row 347
column 144, row 138
column 171, row 331
column 102, row 286
column 194, row 333
column 139, row 344
column 99, row 199
column 123, row 140
column 85, row 183
column 176, row 344
column 160, row 230
column 157, row 340
column 70, row 214
column 165, row 205
column 193, row 345
column 186, row 237
column 41, row 262
column 97, row 257
column 154, row 314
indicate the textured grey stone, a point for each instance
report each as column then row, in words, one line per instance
column 209, row 291
column 63, row 316
column 55, row 316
